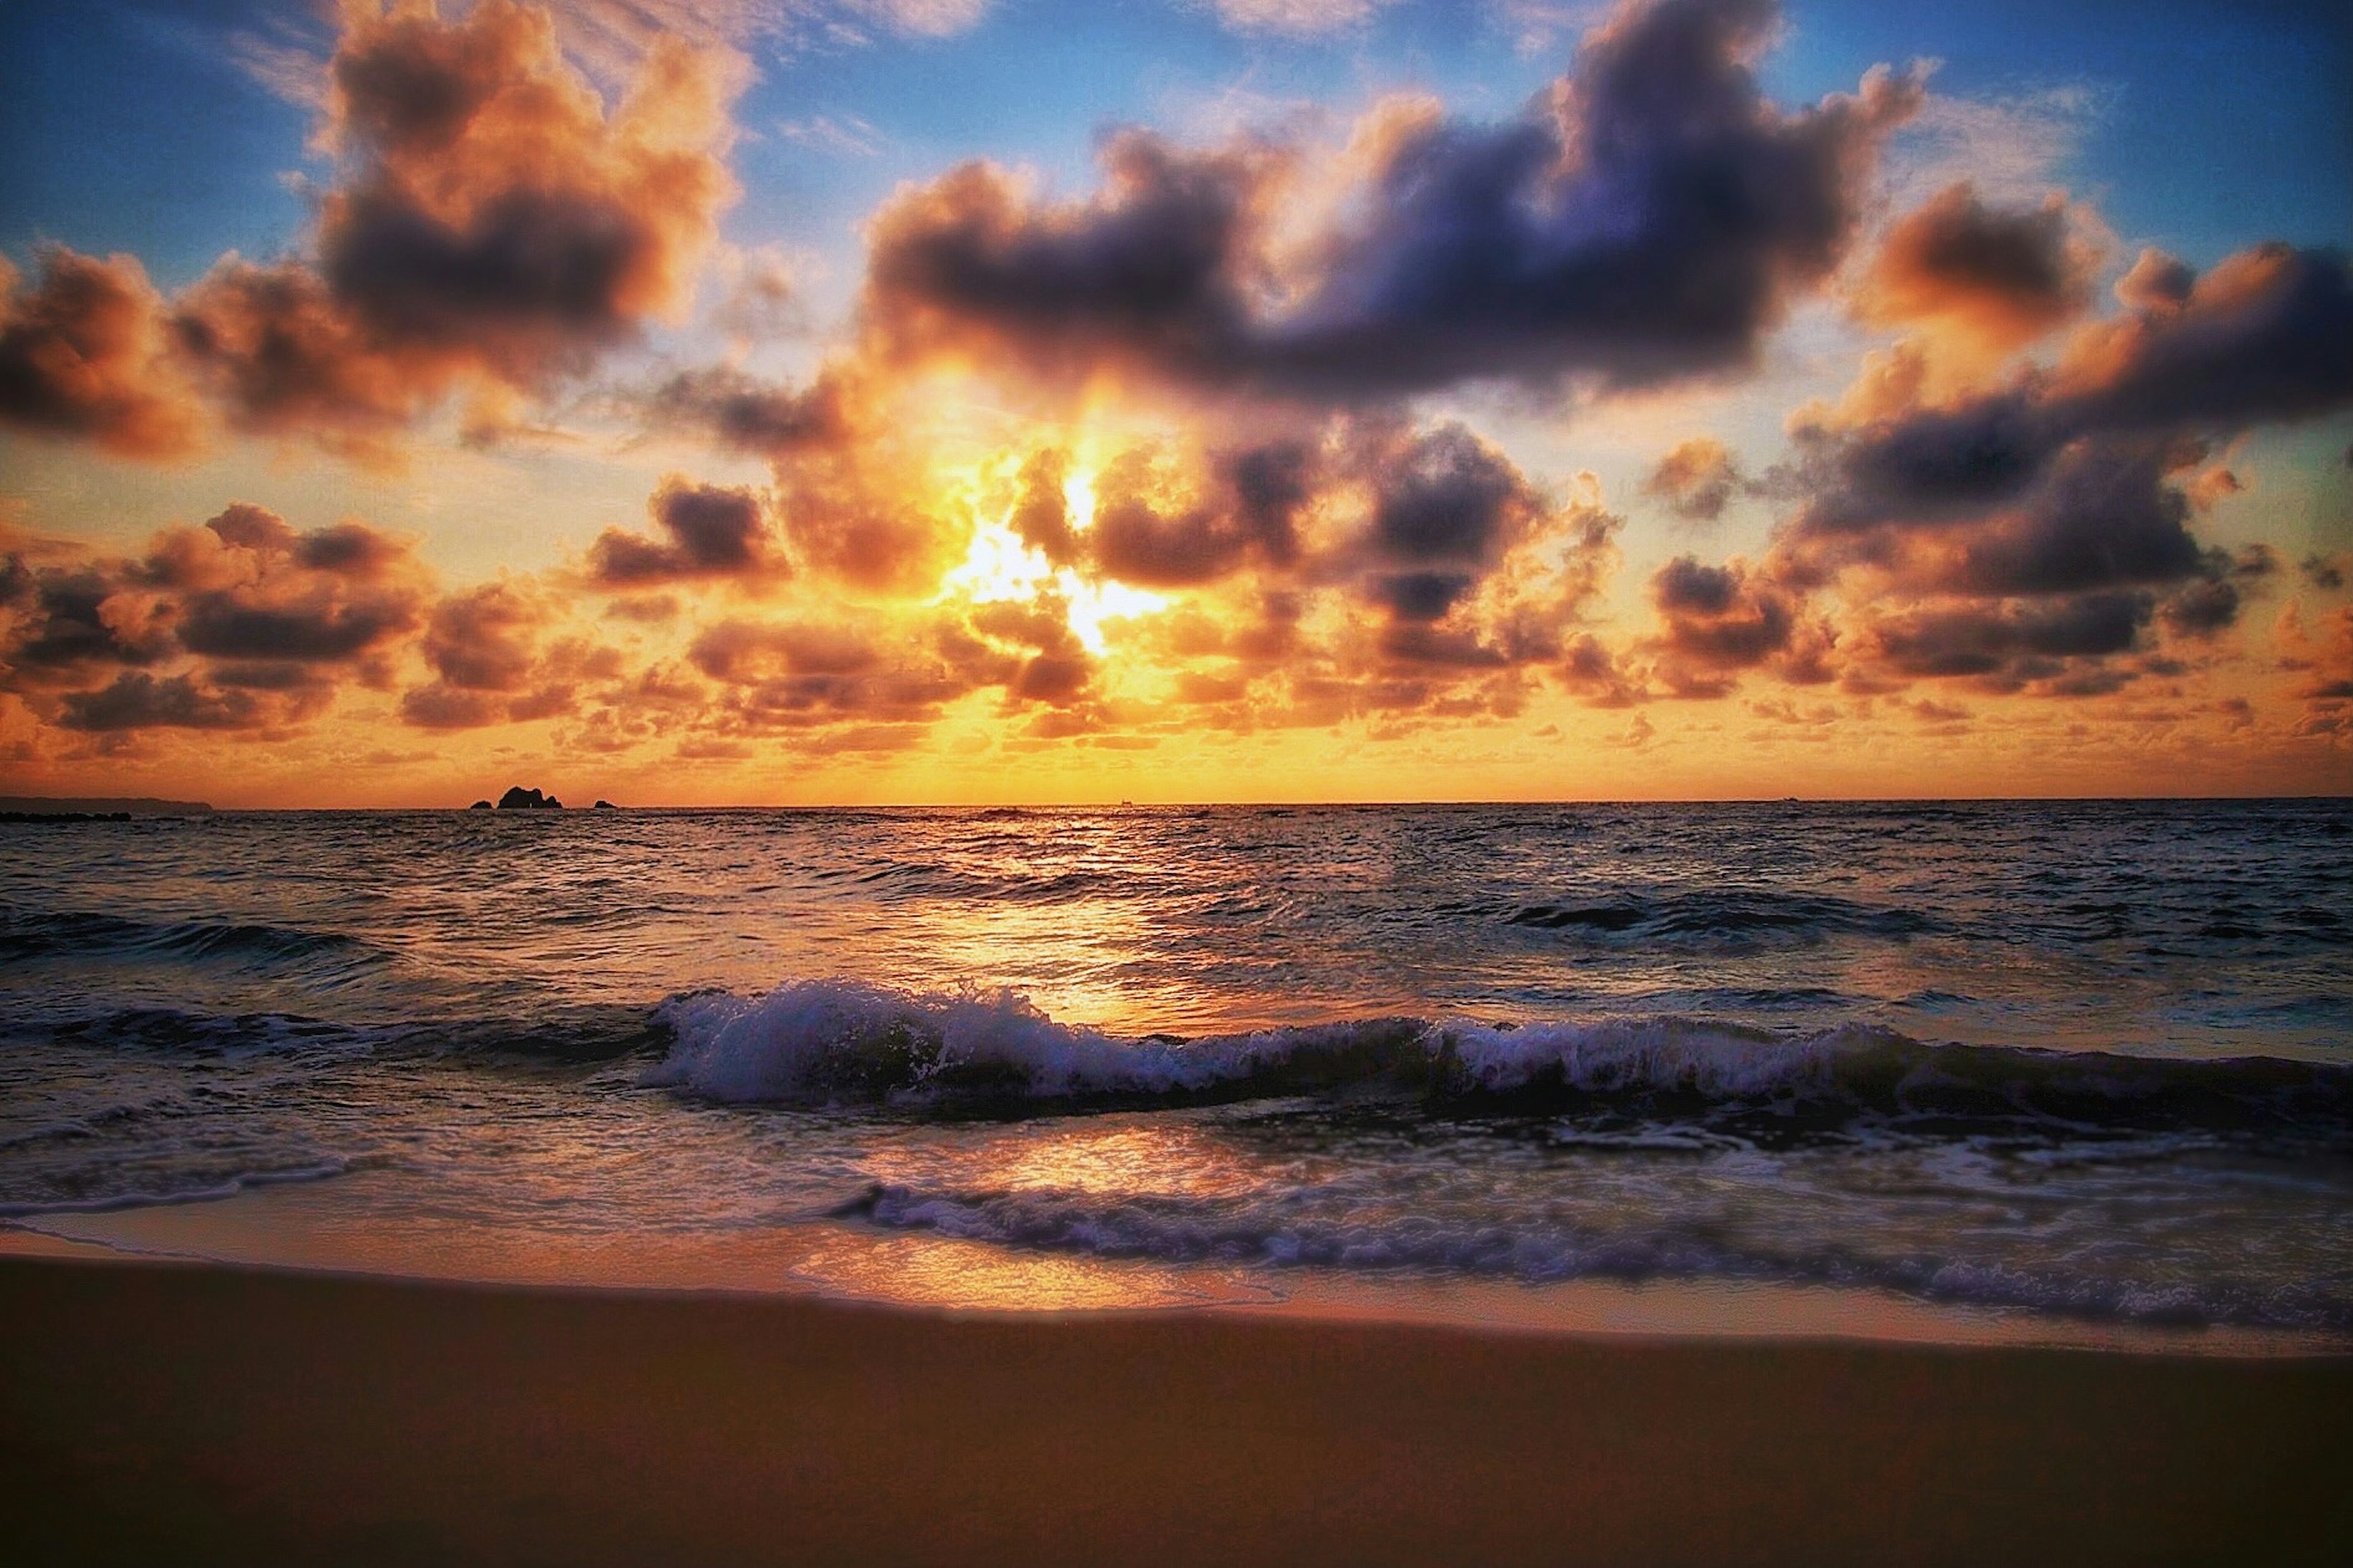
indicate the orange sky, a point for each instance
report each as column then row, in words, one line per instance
column 1288, row 462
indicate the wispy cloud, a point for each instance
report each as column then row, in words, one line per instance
column 1296, row 18
column 844, row 135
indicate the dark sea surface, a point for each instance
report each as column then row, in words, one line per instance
column 2080, row 1062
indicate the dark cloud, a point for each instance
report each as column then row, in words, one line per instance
column 1718, row 621
column 485, row 639
column 1147, row 270
column 137, row 700
column 326, row 597
column 758, row 418
column 2204, row 609
column 709, row 531
column 2001, row 278
column 2267, row 335
column 243, row 624
column 246, row 586
column 1421, row 596
column 1143, row 532
column 1650, row 218
column 2005, row 646
column 2006, row 533
column 1590, row 669
column 2104, row 517
column 64, row 624
column 82, row 356
column 1445, row 495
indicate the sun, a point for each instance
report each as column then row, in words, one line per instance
column 1000, row 565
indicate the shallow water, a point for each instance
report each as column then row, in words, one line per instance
column 2076, row 1063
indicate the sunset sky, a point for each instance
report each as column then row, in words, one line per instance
column 880, row 400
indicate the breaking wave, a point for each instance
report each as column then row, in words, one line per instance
column 846, row 1042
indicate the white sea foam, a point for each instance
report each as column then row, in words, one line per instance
column 848, row 1039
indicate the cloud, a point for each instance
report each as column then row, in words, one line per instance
column 1650, row 219
column 800, row 674
column 1696, row 481
column 754, row 417
column 1719, row 621
column 243, row 624
column 1296, row 18
column 2007, row 644
column 137, row 700
column 1148, row 532
column 83, row 355
column 709, row 531
column 492, row 227
column 1995, row 277
column 484, row 639
column 2037, row 535
column 484, row 648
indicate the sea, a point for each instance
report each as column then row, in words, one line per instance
column 2076, row 1072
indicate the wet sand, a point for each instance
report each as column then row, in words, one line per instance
column 193, row 1414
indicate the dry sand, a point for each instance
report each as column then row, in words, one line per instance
column 183, row 1415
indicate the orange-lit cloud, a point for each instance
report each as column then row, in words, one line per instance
column 1994, row 279
column 243, row 624
column 492, row 228
column 82, row 356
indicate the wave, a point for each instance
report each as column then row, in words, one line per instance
column 206, row 1190
column 846, row 1042
column 580, row 1033
column 75, row 934
column 1182, row 1231
column 1719, row 915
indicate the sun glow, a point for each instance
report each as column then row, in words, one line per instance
column 1001, row 566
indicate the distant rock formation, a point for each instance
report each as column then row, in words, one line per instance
column 604, row 806
column 480, row 806
column 522, row 799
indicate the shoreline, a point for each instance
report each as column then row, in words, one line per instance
column 199, row 1413
column 300, row 1229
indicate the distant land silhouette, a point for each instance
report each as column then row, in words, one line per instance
column 99, row 805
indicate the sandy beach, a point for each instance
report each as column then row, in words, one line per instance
column 198, row 1414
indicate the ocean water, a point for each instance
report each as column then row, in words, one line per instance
column 2048, row 1063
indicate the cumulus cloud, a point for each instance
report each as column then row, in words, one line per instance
column 1995, row 277
column 492, row 229
column 494, row 219
column 1149, row 529
column 708, row 531
column 137, row 700
column 484, row 647
column 1696, row 481
column 83, row 355
column 803, row 673
column 2267, row 335
column 2033, row 534
column 1651, row 219
column 243, row 624
column 1720, row 621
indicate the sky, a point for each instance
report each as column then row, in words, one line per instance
column 1021, row 401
